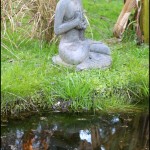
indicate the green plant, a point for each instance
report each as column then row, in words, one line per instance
column 30, row 81
column 73, row 88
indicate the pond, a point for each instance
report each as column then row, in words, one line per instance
column 63, row 131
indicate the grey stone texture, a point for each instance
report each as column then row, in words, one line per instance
column 74, row 49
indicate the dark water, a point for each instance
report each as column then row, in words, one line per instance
column 60, row 131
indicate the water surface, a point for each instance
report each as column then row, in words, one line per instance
column 61, row 131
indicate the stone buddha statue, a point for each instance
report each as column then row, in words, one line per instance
column 74, row 49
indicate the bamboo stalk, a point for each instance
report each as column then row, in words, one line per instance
column 145, row 20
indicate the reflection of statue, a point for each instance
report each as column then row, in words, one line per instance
column 90, row 141
column 84, row 145
column 74, row 49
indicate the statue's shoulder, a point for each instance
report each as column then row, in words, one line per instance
column 63, row 2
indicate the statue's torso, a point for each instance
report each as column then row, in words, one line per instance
column 72, row 7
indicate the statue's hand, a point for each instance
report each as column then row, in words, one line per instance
column 82, row 25
column 78, row 15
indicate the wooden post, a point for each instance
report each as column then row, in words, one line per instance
column 144, row 20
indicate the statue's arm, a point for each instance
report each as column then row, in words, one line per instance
column 59, row 26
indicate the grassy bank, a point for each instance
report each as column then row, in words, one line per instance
column 31, row 82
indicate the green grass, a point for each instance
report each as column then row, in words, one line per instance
column 102, row 16
column 29, row 80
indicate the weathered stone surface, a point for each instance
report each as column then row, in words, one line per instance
column 74, row 49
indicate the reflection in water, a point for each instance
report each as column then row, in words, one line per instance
column 70, row 132
column 85, row 135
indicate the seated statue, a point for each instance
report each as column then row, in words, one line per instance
column 74, row 49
